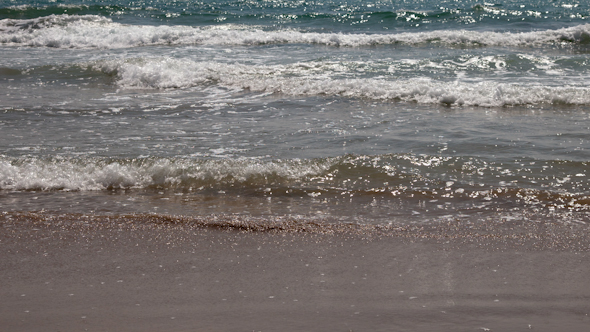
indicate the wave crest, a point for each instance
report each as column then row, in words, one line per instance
column 304, row 79
column 101, row 174
column 550, row 185
column 91, row 31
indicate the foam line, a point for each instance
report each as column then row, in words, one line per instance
column 92, row 31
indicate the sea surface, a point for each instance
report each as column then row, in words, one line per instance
column 367, row 112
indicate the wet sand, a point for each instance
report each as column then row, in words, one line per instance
column 70, row 273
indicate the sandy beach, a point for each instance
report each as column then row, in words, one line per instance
column 67, row 273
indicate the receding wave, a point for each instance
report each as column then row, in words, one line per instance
column 91, row 31
column 330, row 79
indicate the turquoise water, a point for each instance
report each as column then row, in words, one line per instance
column 348, row 111
column 322, row 16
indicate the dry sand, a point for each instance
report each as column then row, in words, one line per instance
column 70, row 273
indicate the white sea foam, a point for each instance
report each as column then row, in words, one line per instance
column 99, row 174
column 39, row 175
column 90, row 31
column 302, row 79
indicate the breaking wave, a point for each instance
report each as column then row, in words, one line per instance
column 433, row 180
column 326, row 79
column 93, row 31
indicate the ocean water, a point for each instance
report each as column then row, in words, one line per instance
column 369, row 112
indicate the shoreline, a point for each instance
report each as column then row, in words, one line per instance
column 71, row 275
column 487, row 233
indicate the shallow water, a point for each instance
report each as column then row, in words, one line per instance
column 369, row 112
